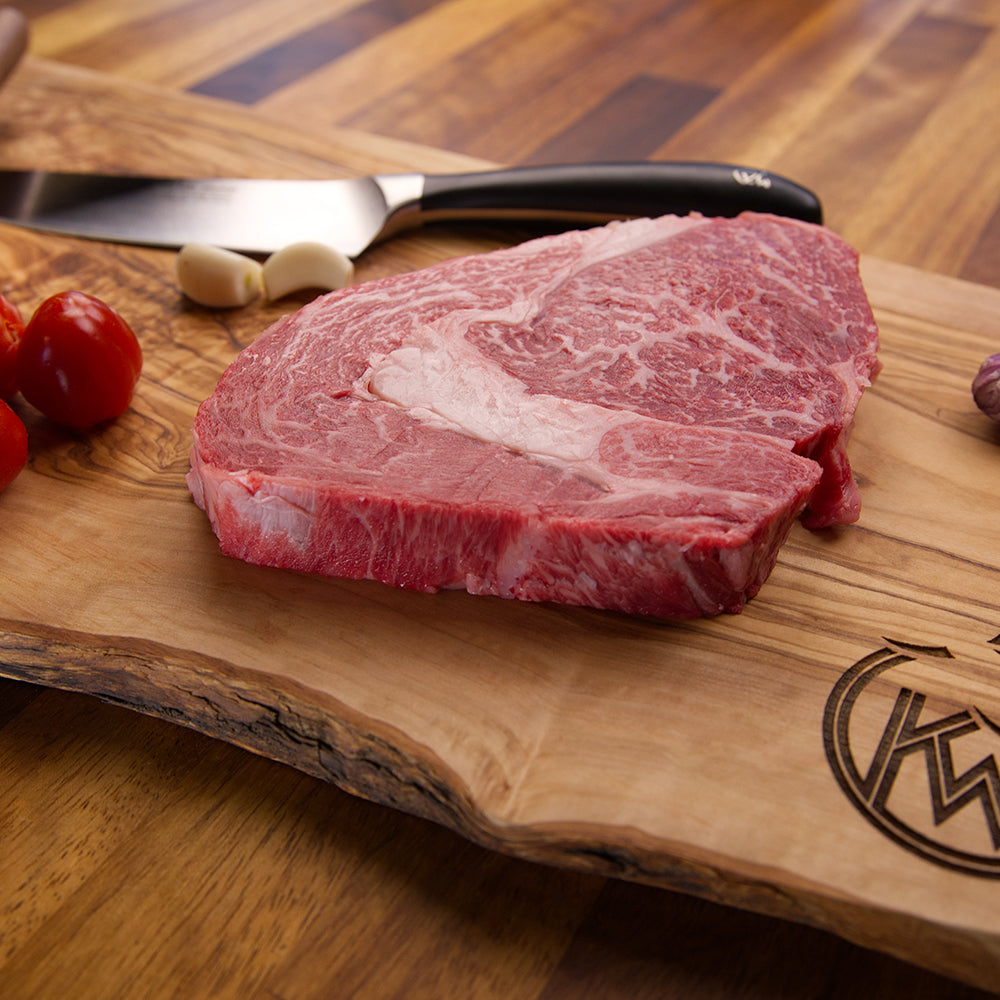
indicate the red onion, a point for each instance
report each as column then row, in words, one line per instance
column 986, row 387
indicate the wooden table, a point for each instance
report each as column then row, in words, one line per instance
column 154, row 861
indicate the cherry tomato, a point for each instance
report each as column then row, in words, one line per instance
column 13, row 446
column 11, row 328
column 78, row 361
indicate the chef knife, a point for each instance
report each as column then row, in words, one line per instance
column 260, row 216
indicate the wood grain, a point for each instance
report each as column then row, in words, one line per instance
column 266, row 881
column 516, row 726
column 162, row 862
column 877, row 105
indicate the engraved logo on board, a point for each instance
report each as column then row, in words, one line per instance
column 921, row 769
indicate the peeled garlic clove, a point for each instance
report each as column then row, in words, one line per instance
column 986, row 387
column 218, row 278
column 305, row 265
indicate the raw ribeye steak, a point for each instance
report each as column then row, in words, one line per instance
column 629, row 417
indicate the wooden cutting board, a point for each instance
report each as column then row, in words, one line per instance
column 827, row 756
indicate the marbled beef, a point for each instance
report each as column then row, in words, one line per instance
column 629, row 417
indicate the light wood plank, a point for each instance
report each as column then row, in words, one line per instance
column 259, row 870
column 874, row 118
column 479, row 87
column 921, row 212
column 86, row 20
column 785, row 94
column 393, row 61
column 560, row 85
column 175, row 45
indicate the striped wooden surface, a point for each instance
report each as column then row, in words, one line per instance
column 880, row 105
column 299, row 890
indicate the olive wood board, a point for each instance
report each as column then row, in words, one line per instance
column 826, row 756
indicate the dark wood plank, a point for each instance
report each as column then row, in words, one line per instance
column 14, row 697
column 480, row 84
column 628, row 125
column 265, row 72
column 145, row 31
column 722, row 953
column 874, row 117
column 564, row 81
column 716, row 42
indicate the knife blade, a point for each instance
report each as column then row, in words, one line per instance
column 258, row 216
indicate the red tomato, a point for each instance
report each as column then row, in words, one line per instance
column 11, row 328
column 13, row 445
column 78, row 361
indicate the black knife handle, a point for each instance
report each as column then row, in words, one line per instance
column 617, row 190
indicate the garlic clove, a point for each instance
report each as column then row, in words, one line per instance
column 218, row 278
column 305, row 265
